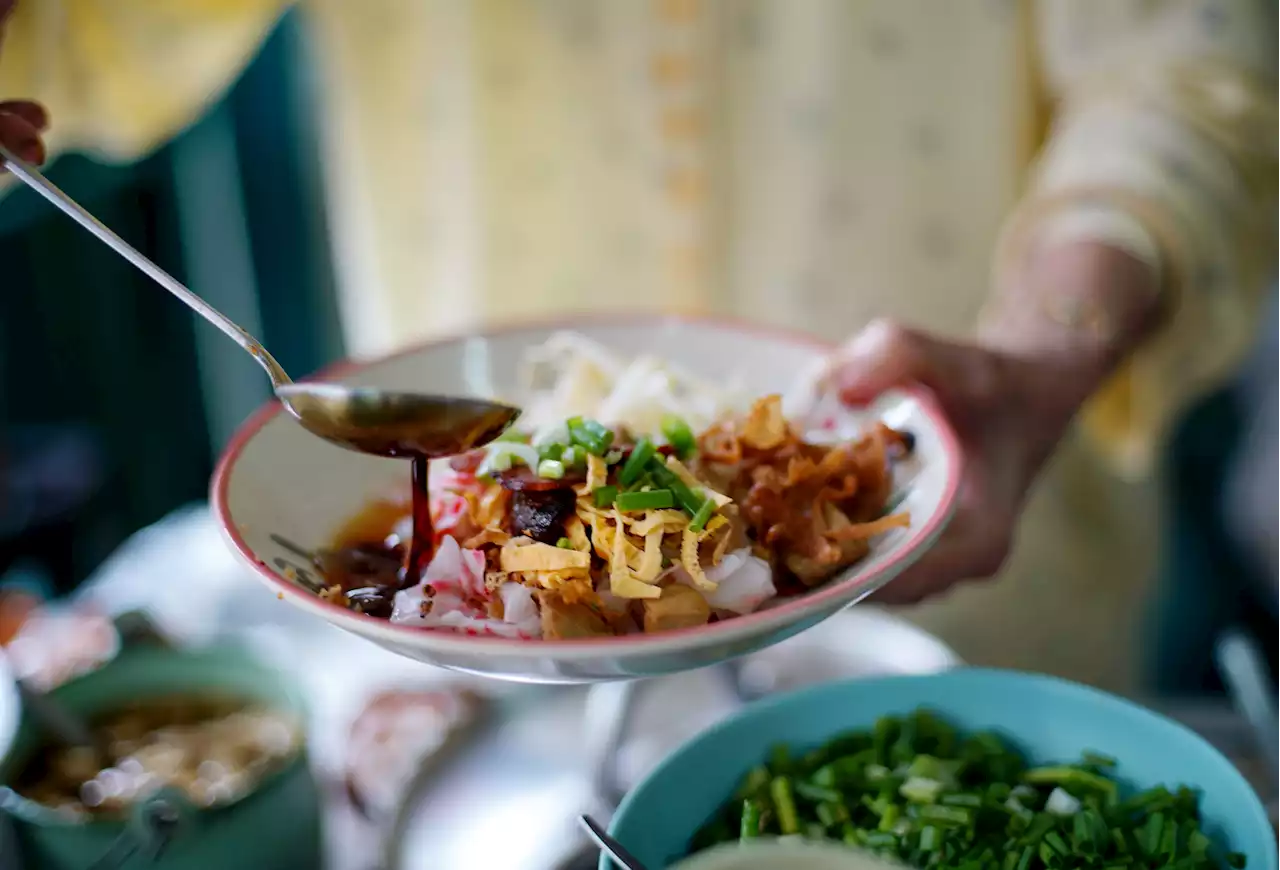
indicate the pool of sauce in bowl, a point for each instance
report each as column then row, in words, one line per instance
column 369, row 572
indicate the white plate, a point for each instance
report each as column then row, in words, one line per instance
column 278, row 490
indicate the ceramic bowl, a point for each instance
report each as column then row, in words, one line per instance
column 280, row 493
column 1050, row 720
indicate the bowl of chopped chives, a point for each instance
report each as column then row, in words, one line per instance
column 969, row 769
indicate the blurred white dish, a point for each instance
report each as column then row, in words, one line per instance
column 793, row 855
column 279, row 493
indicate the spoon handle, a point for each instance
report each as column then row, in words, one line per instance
column 68, row 729
column 608, row 714
column 31, row 177
column 1249, row 686
column 611, row 847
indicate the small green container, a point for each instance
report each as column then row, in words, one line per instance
column 277, row 826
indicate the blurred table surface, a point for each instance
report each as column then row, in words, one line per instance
column 180, row 573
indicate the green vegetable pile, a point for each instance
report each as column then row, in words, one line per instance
column 915, row 790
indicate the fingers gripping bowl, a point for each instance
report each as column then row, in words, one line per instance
column 282, row 497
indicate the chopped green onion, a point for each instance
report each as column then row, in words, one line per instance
column 750, row 820
column 816, row 793
column 879, row 840
column 930, row 839
column 972, row 804
column 564, row 544
column 830, row 813
column 552, row 469
column 498, row 462
column 1097, row 759
column 551, row 451
column 679, row 435
column 571, row 457
column 784, row 804
column 604, row 496
column 634, row 467
column 1069, row 776
column 685, row 497
column 702, row 515
column 601, row 431
column 589, row 435
column 644, row 500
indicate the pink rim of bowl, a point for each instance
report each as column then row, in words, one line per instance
column 783, row 614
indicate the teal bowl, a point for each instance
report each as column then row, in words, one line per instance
column 1051, row 720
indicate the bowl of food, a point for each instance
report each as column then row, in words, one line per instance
column 967, row 768
column 674, row 494
column 201, row 763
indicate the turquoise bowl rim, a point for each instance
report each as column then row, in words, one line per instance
column 685, row 754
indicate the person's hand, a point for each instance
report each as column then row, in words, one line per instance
column 1010, row 396
column 21, row 121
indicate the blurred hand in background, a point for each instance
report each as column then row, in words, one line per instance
column 21, row 121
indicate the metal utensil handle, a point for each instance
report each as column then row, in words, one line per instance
column 151, row 830
column 66, row 728
column 1240, row 663
column 32, row 177
column 611, row 847
column 608, row 717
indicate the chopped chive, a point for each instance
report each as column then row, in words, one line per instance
column 605, row 495
column 1069, row 776
column 703, row 514
column 930, row 839
column 551, row 469
column 784, row 804
column 816, row 793
column 976, row 805
column 687, row 498
column 589, row 435
column 1097, row 759
column 750, row 827
column 634, row 467
column 679, row 435
column 653, row 499
column 879, row 840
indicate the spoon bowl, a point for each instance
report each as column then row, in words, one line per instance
column 396, row 424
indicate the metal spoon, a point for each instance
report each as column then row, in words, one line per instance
column 611, row 847
column 364, row 419
column 1243, row 669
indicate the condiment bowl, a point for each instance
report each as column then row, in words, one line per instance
column 279, row 494
column 1050, row 721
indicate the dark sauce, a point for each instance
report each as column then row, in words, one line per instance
column 422, row 541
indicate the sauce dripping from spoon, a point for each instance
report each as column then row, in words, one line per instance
column 417, row 428
column 422, row 541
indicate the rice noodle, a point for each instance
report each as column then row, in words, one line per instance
column 571, row 375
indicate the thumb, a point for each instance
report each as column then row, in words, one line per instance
column 885, row 355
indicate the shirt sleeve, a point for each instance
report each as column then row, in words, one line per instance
column 121, row 77
column 1163, row 144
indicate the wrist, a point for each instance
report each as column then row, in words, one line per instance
column 1070, row 314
